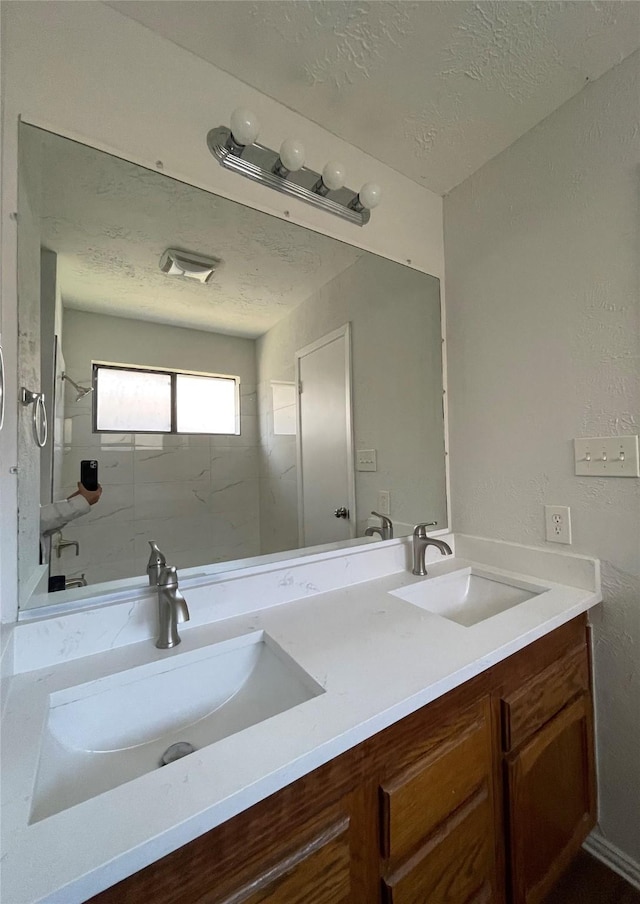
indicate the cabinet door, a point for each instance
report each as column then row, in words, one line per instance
column 551, row 788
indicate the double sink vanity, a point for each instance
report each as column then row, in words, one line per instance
column 334, row 728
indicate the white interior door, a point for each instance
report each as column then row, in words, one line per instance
column 325, row 444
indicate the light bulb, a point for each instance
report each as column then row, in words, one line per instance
column 244, row 126
column 370, row 195
column 333, row 175
column 292, row 154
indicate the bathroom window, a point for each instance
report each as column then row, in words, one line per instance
column 131, row 399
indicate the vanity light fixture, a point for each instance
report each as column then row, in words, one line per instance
column 236, row 149
column 186, row 263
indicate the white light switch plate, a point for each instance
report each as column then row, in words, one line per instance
column 366, row 460
column 384, row 502
column 607, row 456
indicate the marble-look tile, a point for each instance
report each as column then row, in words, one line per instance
column 104, row 572
column 238, row 496
column 232, row 529
column 115, row 465
column 77, row 428
column 278, row 515
column 248, row 399
column 177, row 463
column 234, row 464
column 171, row 499
column 174, row 535
column 115, row 505
column 247, row 437
column 150, row 441
column 115, row 440
column 279, row 460
column 99, row 542
column 159, row 441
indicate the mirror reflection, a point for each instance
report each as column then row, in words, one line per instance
column 245, row 386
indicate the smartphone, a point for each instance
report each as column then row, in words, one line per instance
column 89, row 474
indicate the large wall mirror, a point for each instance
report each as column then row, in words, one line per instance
column 327, row 358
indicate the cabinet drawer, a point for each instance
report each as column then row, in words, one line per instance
column 455, row 865
column 416, row 800
column 319, row 871
column 532, row 705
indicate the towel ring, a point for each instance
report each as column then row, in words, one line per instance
column 40, row 427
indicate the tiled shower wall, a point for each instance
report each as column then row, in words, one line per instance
column 197, row 496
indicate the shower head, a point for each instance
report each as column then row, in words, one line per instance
column 81, row 390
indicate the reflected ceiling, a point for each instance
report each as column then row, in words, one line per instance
column 123, row 217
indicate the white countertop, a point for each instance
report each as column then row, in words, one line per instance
column 377, row 658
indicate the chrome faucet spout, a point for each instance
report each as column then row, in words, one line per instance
column 172, row 608
column 420, row 543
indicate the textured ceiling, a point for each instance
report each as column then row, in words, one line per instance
column 433, row 89
column 109, row 222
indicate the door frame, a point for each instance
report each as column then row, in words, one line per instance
column 342, row 331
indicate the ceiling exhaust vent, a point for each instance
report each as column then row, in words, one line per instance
column 186, row 263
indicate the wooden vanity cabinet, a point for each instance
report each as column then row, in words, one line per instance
column 437, row 821
column 550, row 785
column 481, row 797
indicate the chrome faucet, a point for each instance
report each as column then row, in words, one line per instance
column 420, row 543
column 385, row 530
column 64, row 544
column 172, row 608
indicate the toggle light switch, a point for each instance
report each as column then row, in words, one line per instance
column 607, row 456
column 366, row 460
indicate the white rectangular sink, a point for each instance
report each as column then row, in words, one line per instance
column 468, row 596
column 107, row 732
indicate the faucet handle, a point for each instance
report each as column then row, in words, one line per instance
column 157, row 561
column 420, row 530
column 168, row 576
column 387, row 526
column 386, row 521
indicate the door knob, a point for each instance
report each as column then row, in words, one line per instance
column 341, row 512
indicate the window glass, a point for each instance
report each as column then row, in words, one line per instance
column 206, row 404
column 133, row 400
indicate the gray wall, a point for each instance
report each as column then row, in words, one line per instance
column 397, row 394
column 542, row 308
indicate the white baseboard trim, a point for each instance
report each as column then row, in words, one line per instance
column 614, row 858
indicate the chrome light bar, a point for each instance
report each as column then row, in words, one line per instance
column 261, row 165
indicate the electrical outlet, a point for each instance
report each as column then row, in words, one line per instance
column 557, row 519
column 384, row 502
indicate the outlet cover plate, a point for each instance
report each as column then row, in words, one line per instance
column 557, row 522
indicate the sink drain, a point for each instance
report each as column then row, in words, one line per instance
column 176, row 752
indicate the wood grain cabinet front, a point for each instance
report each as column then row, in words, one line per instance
column 437, row 819
column 551, row 800
column 318, row 870
column 481, row 797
